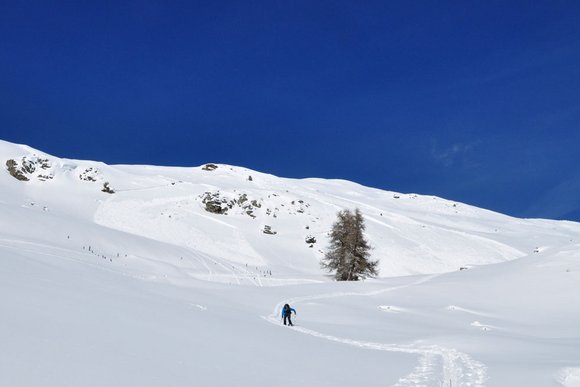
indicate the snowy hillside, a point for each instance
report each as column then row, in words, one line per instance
column 157, row 276
column 224, row 211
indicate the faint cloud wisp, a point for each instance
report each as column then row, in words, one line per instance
column 454, row 154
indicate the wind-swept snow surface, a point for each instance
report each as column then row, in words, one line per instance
column 178, row 276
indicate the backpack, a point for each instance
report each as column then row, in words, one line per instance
column 286, row 309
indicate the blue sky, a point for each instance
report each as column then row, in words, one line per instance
column 473, row 101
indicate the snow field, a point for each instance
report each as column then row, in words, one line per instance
column 145, row 287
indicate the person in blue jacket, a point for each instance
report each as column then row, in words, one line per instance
column 287, row 313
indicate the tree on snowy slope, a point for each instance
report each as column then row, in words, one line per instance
column 348, row 254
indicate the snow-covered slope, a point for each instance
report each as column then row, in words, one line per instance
column 410, row 233
column 146, row 284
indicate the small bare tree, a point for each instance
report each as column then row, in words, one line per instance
column 348, row 254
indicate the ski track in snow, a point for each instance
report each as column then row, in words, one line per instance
column 235, row 271
column 436, row 366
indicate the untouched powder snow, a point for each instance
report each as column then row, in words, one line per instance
column 145, row 286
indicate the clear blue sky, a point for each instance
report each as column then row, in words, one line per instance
column 475, row 101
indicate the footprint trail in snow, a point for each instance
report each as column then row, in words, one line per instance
column 437, row 365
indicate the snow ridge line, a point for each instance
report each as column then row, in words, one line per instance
column 458, row 368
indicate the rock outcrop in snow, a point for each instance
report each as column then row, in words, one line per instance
column 28, row 167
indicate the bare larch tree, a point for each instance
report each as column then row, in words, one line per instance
column 348, row 254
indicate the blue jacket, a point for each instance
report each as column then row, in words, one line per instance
column 291, row 310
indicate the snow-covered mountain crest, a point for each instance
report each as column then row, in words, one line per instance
column 250, row 219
